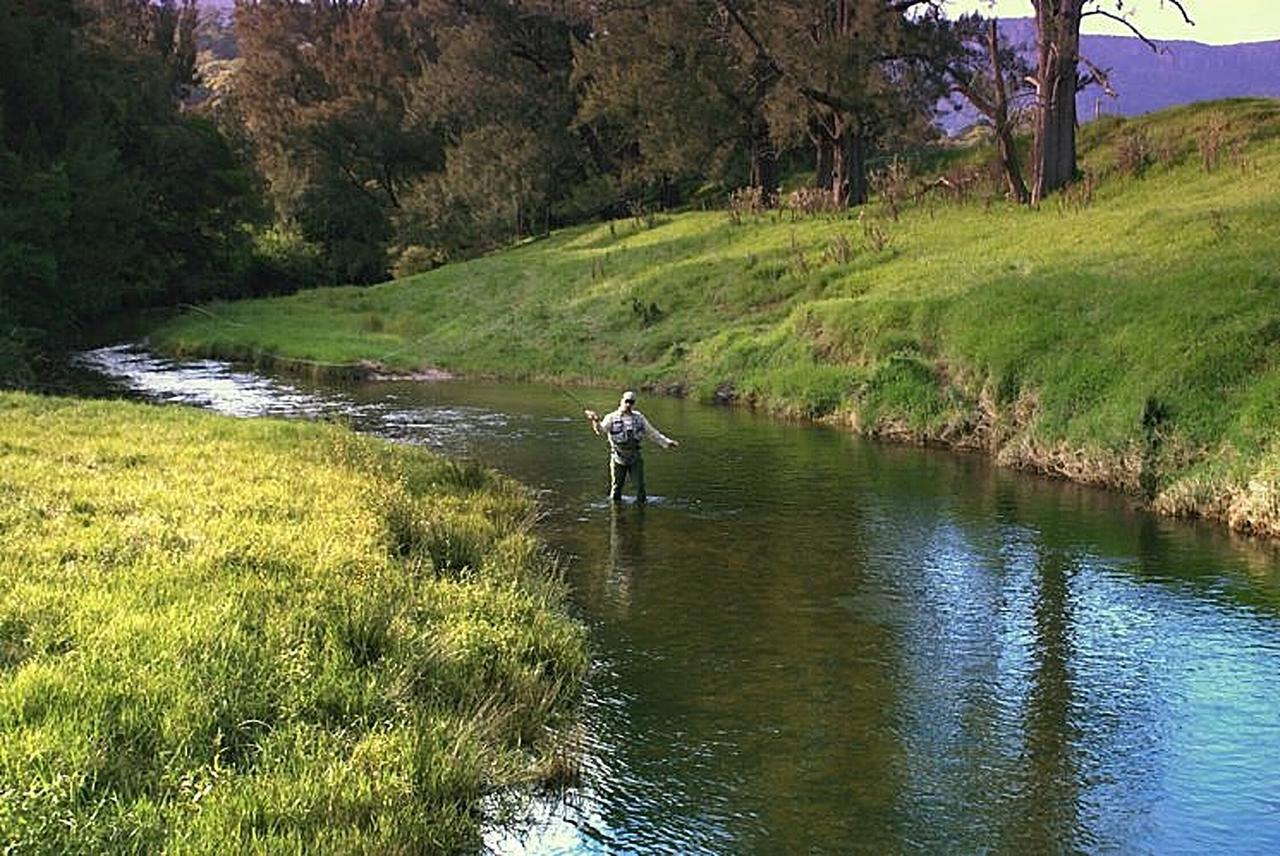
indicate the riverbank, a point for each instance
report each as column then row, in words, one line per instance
column 1124, row 334
column 265, row 636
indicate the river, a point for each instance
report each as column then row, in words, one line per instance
column 807, row 642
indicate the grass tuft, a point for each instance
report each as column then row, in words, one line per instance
column 249, row 638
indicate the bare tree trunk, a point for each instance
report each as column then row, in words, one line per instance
column 857, row 168
column 764, row 161
column 1004, row 133
column 839, row 171
column 822, row 159
column 848, row 166
column 1058, row 26
column 1009, row 165
column 668, row 193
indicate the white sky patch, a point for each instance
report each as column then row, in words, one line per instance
column 1217, row 22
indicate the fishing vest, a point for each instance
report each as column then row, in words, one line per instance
column 626, row 442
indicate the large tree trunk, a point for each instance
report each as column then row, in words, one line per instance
column 668, row 193
column 1055, row 164
column 764, row 161
column 822, row 158
column 1058, row 36
column 848, row 166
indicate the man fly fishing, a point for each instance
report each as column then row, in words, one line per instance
column 625, row 428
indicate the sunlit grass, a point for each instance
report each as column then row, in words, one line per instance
column 1042, row 335
column 226, row 636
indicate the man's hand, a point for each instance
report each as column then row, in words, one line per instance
column 592, row 415
column 673, row 444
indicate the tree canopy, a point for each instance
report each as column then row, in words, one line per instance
column 349, row 139
column 110, row 195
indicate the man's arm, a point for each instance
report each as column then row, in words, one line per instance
column 594, row 419
column 658, row 437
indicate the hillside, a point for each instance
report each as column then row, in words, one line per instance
column 1126, row 333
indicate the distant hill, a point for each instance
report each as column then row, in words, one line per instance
column 1181, row 73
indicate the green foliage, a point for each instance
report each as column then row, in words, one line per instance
column 416, row 259
column 16, row 356
column 263, row 637
column 109, row 197
column 668, row 85
column 405, row 125
column 282, row 261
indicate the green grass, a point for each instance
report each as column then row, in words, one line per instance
column 220, row 635
column 1042, row 336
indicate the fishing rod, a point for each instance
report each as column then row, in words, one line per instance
column 571, row 396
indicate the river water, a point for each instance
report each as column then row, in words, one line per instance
column 807, row 642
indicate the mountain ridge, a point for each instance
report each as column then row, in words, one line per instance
column 1179, row 71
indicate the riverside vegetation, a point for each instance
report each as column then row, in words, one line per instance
column 1124, row 333
column 264, row 636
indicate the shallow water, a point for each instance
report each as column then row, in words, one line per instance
column 809, row 642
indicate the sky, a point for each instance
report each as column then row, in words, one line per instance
column 1217, row 22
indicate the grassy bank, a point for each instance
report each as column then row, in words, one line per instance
column 257, row 636
column 1126, row 333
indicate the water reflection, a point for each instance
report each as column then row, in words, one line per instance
column 811, row 643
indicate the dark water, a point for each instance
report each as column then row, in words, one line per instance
column 811, row 643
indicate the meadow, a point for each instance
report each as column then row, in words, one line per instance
column 222, row 635
column 1123, row 333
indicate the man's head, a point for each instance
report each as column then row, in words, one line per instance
column 628, row 400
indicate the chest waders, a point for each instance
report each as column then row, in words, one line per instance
column 625, row 458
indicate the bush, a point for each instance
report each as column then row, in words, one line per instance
column 1210, row 139
column 417, row 259
column 807, row 201
column 15, row 362
column 282, row 262
column 747, row 201
column 891, row 185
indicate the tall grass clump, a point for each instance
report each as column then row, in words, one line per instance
column 245, row 636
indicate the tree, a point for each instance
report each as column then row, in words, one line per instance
column 985, row 71
column 683, row 99
column 1057, row 79
column 498, row 91
column 850, row 71
column 322, row 96
column 109, row 196
column 382, row 125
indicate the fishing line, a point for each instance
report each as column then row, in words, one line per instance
column 571, row 396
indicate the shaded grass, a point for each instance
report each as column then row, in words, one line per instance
column 1040, row 335
column 263, row 636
